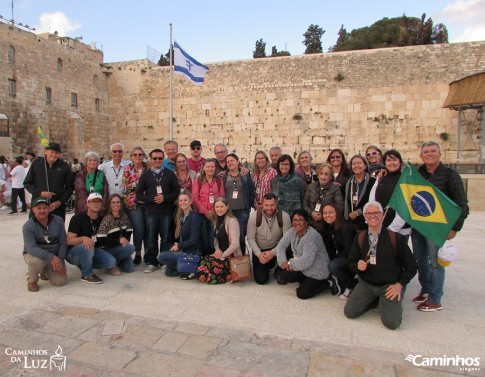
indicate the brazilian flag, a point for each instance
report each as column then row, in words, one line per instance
column 423, row 206
column 42, row 138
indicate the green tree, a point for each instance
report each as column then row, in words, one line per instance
column 313, row 39
column 390, row 32
column 260, row 49
column 275, row 52
column 165, row 59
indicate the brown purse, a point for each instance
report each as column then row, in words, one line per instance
column 240, row 267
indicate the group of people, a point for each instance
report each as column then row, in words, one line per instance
column 322, row 226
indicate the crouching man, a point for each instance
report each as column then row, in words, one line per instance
column 44, row 246
column 384, row 264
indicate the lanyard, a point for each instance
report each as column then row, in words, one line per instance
column 116, row 173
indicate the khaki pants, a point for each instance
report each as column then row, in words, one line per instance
column 37, row 266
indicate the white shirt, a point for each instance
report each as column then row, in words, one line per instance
column 114, row 175
column 18, row 175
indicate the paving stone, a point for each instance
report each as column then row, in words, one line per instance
column 171, row 341
column 102, row 356
column 192, row 328
column 323, row 364
column 69, row 326
column 407, row 370
column 230, row 334
column 212, row 371
column 32, row 320
column 272, row 341
column 139, row 337
column 199, row 346
column 151, row 363
column 260, row 359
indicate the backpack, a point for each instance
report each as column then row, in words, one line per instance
column 259, row 218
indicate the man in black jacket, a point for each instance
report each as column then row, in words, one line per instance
column 384, row 264
column 157, row 188
column 430, row 273
column 51, row 178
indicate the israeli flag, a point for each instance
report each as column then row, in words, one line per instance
column 186, row 65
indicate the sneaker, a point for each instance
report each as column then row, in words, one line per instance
column 93, row 279
column 151, row 268
column 334, row 285
column 187, row 276
column 13, row 213
column 115, row 271
column 422, row 297
column 4, row 208
column 346, row 294
column 429, row 307
column 33, row 287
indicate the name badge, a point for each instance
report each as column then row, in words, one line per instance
column 258, row 190
column 373, row 259
column 317, row 207
column 46, row 237
column 117, row 182
column 94, row 238
column 159, row 189
column 234, row 194
column 91, row 189
column 355, row 199
column 269, row 237
column 211, row 199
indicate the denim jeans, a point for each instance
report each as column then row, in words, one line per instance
column 431, row 275
column 157, row 225
column 137, row 220
column 242, row 216
column 86, row 260
column 340, row 268
column 122, row 254
column 169, row 260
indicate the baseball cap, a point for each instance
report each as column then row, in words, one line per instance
column 39, row 200
column 94, row 196
column 447, row 254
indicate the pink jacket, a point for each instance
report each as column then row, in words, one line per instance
column 200, row 195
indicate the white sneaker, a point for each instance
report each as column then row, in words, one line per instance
column 151, row 268
column 346, row 294
column 4, row 207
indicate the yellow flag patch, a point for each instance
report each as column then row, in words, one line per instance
column 423, row 203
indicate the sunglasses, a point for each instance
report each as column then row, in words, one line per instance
column 335, row 157
column 371, row 153
column 196, row 148
column 157, row 158
column 117, row 151
column 137, row 154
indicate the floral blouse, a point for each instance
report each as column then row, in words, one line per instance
column 131, row 176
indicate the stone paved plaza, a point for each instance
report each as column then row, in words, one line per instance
column 149, row 325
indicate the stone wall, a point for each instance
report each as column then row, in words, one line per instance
column 65, row 66
column 388, row 97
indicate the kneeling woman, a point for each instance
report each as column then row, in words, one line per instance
column 187, row 230
column 114, row 235
column 214, row 268
column 309, row 264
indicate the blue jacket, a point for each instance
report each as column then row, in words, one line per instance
column 190, row 233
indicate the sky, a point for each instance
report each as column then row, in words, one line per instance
column 221, row 30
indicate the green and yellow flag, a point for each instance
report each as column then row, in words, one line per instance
column 423, row 206
column 42, row 137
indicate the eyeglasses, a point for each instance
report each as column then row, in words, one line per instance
column 220, row 152
column 137, row 154
column 335, row 156
column 372, row 213
column 157, row 158
column 197, row 148
column 117, row 151
column 371, row 153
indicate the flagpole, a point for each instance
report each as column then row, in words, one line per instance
column 171, row 93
